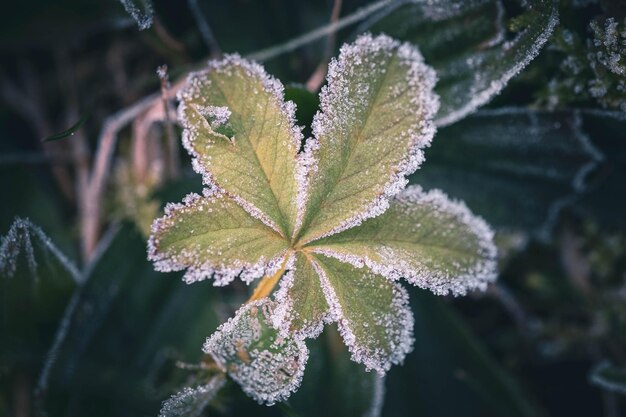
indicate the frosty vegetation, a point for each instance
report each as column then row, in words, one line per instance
column 144, row 17
column 331, row 229
column 485, row 58
column 595, row 69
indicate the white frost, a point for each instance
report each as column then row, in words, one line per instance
column 267, row 366
column 394, row 263
column 337, row 113
column 191, row 100
column 197, row 266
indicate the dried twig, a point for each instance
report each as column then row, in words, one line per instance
column 205, row 29
column 317, row 78
column 173, row 161
column 295, row 43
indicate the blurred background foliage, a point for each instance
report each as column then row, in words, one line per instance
column 90, row 329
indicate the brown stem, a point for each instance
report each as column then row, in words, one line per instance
column 173, row 161
column 267, row 284
column 317, row 78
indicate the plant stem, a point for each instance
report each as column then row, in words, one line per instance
column 297, row 42
column 268, row 283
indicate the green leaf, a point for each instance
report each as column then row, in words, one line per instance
column 267, row 366
column 426, row 238
column 302, row 306
column 372, row 313
column 451, row 372
column 609, row 377
column 518, row 168
column 36, row 282
column 334, row 385
column 243, row 138
column 213, row 236
column 191, row 402
column 130, row 326
column 374, row 120
column 70, row 131
column 465, row 42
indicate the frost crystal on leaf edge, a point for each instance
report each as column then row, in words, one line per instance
column 421, row 79
column 248, row 375
column 477, row 278
column 270, row 84
column 222, row 275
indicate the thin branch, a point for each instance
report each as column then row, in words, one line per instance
column 173, row 161
column 27, row 103
column 295, row 43
column 317, row 78
column 205, row 29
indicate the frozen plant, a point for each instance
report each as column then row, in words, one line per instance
column 329, row 229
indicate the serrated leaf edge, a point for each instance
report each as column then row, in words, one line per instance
column 357, row 353
column 273, row 87
column 228, row 326
column 420, row 76
column 222, row 275
column 477, row 278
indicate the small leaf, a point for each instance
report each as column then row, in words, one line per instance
column 302, row 307
column 70, row 131
column 242, row 136
column 191, row 402
column 470, row 74
column 609, row 377
column 426, row 238
column 36, row 283
column 374, row 120
column 213, row 236
column 515, row 167
column 372, row 313
column 268, row 366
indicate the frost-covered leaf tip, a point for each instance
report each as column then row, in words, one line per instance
column 268, row 366
column 330, row 224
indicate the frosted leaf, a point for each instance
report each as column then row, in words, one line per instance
column 191, row 402
column 609, row 377
column 213, row 236
column 375, row 118
column 267, row 366
column 28, row 240
column 38, row 286
column 243, row 138
column 426, row 238
column 372, row 313
column 302, row 307
column 142, row 18
column 464, row 41
column 516, row 167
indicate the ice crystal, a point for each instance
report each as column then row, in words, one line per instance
column 268, row 366
column 23, row 237
column 143, row 19
column 592, row 68
column 270, row 207
column 468, row 80
column 191, row 402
